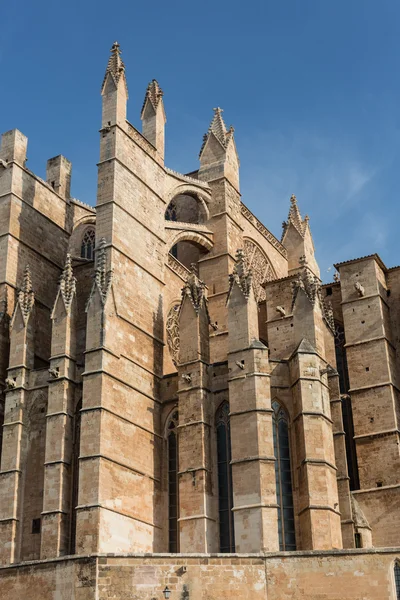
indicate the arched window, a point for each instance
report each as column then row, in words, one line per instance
column 225, row 491
column 87, row 247
column 75, row 474
column 283, row 478
column 397, row 578
column 172, row 453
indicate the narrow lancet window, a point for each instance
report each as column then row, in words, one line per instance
column 75, row 474
column 397, row 579
column 283, row 478
column 225, row 491
column 88, row 241
column 172, row 452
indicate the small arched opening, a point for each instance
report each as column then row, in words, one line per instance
column 189, row 247
column 186, row 208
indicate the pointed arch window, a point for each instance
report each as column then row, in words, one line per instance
column 283, row 478
column 87, row 246
column 225, row 490
column 172, row 454
column 397, row 579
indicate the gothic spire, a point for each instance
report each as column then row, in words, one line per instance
column 115, row 67
column 241, row 275
column 295, row 218
column 153, row 94
column 218, row 129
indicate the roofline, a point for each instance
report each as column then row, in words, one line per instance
column 368, row 257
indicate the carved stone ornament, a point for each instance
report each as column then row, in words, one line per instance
column 102, row 277
column 260, row 267
column 195, row 290
column 172, row 327
column 25, row 298
column 311, row 285
column 67, row 286
column 241, row 275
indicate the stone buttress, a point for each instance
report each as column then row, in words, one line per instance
column 12, row 459
column 197, row 522
column 253, row 461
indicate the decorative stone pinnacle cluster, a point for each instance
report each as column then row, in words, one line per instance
column 68, row 282
column 102, row 277
column 194, row 289
column 241, row 275
column 26, row 296
column 311, row 285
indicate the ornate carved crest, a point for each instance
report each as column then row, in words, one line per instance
column 172, row 327
column 261, row 268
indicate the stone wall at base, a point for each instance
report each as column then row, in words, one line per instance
column 340, row 575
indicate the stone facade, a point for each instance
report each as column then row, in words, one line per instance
column 174, row 379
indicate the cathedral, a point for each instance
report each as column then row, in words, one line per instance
column 187, row 411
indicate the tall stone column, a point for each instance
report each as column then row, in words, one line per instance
column 21, row 362
column 56, row 515
column 197, row 524
column 253, row 461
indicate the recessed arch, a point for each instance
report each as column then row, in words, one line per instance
column 188, row 246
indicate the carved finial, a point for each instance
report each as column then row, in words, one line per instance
column 241, row 275
column 293, row 199
column 194, row 289
column 68, row 282
column 336, row 277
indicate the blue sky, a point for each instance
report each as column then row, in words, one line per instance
column 312, row 88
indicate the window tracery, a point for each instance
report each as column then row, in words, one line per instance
column 172, row 327
column 283, row 478
column 260, row 266
column 88, row 242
